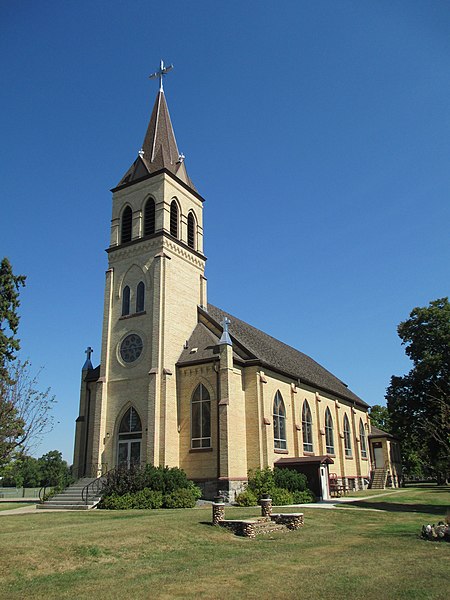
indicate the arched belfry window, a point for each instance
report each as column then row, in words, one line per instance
column 191, row 230
column 363, row 439
column 149, row 217
column 347, row 437
column 127, row 220
column 201, row 418
column 125, row 301
column 329, row 436
column 279, row 423
column 307, row 428
column 174, row 219
column 129, row 439
column 140, row 297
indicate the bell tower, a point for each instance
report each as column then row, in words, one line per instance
column 154, row 284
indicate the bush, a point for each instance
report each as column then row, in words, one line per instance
column 303, row 497
column 280, row 497
column 158, row 479
column 246, row 498
column 182, row 498
column 116, row 502
column 291, row 480
column 147, row 498
column 261, row 481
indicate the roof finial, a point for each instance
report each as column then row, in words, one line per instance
column 225, row 339
column 88, row 365
column 162, row 71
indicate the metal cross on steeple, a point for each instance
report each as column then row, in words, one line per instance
column 89, row 352
column 162, row 71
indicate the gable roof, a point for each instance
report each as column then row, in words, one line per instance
column 251, row 344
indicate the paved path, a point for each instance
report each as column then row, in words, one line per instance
column 327, row 504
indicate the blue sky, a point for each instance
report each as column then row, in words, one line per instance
column 317, row 131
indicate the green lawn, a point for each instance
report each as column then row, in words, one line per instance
column 178, row 554
column 11, row 505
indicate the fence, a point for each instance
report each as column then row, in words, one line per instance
column 12, row 492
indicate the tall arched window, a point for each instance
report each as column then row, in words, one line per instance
column 140, row 297
column 201, row 418
column 191, row 230
column 174, row 219
column 129, row 440
column 363, row 439
column 329, row 437
column 347, row 437
column 279, row 423
column 125, row 301
column 149, row 217
column 307, row 428
column 127, row 220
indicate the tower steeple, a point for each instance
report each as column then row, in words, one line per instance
column 159, row 148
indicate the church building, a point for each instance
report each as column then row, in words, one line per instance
column 182, row 382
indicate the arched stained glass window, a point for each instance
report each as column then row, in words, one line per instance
column 329, row 436
column 191, row 230
column 363, row 439
column 125, row 301
column 149, row 217
column 347, row 437
column 201, row 418
column 174, row 219
column 130, row 423
column 140, row 297
column 279, row 423
column 307, row 428
column 127, row 220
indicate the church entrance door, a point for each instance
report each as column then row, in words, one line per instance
column 129, row 453
column 130, row 438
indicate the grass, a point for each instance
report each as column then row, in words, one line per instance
column 177, row 554
column 11, row 505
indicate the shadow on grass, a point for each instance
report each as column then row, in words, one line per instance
column 432, row 509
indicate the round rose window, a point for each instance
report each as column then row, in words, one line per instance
column 131, row 348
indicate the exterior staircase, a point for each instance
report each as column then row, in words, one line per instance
column 70, row 498
column 378, row 480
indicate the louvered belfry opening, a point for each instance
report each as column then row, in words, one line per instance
column 191, row 231
column 127, row 220
column 149, row 217
column 174, row 219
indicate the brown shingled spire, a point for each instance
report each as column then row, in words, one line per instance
column 159, row 149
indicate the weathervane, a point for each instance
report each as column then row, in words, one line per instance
column 160, row 74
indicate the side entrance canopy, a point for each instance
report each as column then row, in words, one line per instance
column 309, row 466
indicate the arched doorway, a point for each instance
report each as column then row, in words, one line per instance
column 129, row 440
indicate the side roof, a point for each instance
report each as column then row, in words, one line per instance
column 251, row 345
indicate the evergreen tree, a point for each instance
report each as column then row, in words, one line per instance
column 9, row 319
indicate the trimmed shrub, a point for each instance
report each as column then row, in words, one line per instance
column 261, row 481
column 181, row 498
column 303, row 497
column 280, row 497
column 246, row 498
column 116, row 502
column 289, row 479
column 147, row 498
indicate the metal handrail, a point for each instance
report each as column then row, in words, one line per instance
column 42, row 493
column 94, row 487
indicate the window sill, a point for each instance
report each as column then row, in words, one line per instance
column 349, row 458
column 138, row 314
column 364, row 458
column 201, row 450
column 331, row 455
column 280, row 451
column 305, row 453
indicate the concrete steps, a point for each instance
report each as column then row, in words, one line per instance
column 70, row 498
column 378, row 481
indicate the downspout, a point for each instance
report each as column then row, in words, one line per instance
column 217, row 370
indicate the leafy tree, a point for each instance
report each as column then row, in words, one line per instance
column 24, row 471
column 24, row 411
column 54, row 470
column 419, row 402
column 9, row 319
column 379, row 416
